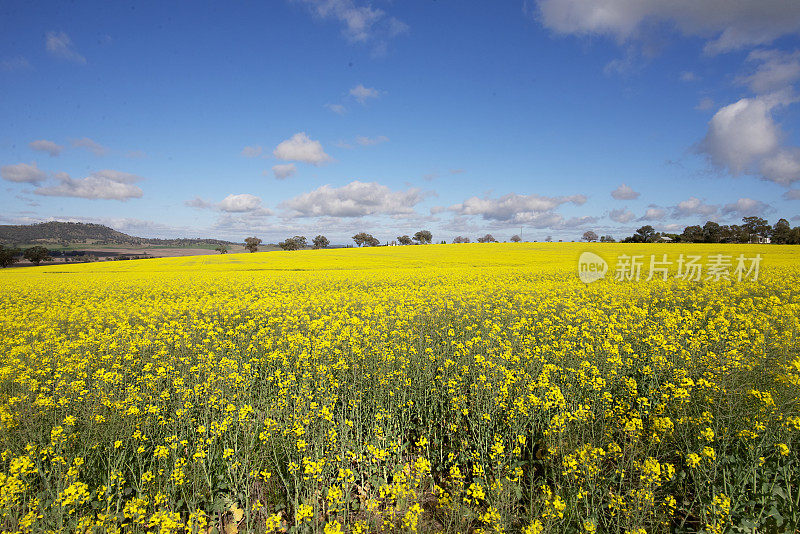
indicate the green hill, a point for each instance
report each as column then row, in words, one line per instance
column 70, row 233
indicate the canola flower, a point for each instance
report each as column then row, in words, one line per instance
column 413, row 389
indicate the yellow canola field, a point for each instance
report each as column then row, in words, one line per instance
column 443, row 388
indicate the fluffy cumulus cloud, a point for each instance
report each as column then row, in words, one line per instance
column 783, row 166
column 240, row 203
column 693, row 206
column 92, row 146
column 105, row 184
column 621, row 216
column 283, row 171
column 43, row 145
column 746, row 207
column 60, row 45
column 743, row 138
column 252, row 151
column 532, row 210
column 356, row 199
column 363, row 94
column 362, row 23
column 653, row 213
column 624, row 192
column 301, row 148
column 23, row 173
column 729, row 25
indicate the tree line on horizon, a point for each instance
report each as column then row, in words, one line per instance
column 753, row 229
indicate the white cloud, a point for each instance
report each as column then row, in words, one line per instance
column 252, row 151
column 90, row 145
column 739, row 134
column 199, row 203
column 42, row 145
column 23, row 173
column 105, row 184
column 792, row 194
column 242, row 203
column 355, row 199
column 531, row 210
column 60, row 45
column 745, row 207
column 743, row 138
column 370, row 141
column 337, row 108
column 283, row 171
column 624, row 192
column 239, row 203
column 730, row 24
column 300, row 148
column 362, row 24
column 783, row 166
column 777, row 70
column 136, row 154
column 705, row 103
column 575, row 222
column 693, row 206
column 362, row 94
column 621, row 215
column 653, row 213
column 688, row 76
column 15, row 63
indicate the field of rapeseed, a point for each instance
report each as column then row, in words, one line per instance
column 459, row 388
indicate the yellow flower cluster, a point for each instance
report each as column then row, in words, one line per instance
column 409, row 389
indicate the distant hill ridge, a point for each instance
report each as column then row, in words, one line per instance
column 85, row 233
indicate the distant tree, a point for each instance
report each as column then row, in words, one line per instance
column 712, row 232
column 222, row 249
column 251, row 244
column 488, row 238
column 8, row 256
column 423, row 237
column 794, row 236
column 515, row 238
column 607, row 239
column 756, row 227
column 781, row 231
column 460, row 239
column 293, row 243
column 692, row 234
column 321, row 242
column 548, row 239
column 725, row 235
column 589, row 236
column 37, row 254
column 365, row 239
column 645, row 234
column 404, row 240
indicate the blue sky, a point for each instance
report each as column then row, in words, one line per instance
column 547, row 117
